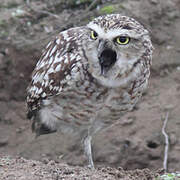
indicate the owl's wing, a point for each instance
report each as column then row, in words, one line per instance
column 56, row 69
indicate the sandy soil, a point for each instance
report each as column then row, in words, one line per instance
column 136, row 141
column 23, row 169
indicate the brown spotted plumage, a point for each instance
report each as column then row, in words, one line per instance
column 87, row 76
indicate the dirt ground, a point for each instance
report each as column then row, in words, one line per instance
column 136, row 142
column 23, row 169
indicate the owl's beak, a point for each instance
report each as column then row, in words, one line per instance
column 107, row 58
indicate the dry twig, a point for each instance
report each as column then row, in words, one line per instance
column 43, row 11
column 93, row 4
column 166, row 142
column 49, row 13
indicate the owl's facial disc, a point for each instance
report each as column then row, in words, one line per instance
column 107, row 59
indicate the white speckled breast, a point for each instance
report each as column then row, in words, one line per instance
column 87, row 106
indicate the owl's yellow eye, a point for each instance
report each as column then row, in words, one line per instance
column 122, row 40
column 94, row 35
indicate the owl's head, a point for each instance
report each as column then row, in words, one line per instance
column 117, row 47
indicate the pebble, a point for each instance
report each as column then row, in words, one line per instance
column 169, row 47
column 173, row 138
column 128, row 121
column 3, row 142
column 155, row 2
column 169, row 107
column 20, row 129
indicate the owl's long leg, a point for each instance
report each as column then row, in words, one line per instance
column 88, row 150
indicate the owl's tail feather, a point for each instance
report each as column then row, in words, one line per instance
column 37, row 126
column 42, row 129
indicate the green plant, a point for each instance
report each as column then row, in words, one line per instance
column 108, row 9
column 169, row 176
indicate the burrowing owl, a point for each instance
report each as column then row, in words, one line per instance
column 88, row 75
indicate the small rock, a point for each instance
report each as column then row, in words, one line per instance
column 3, row 142
column 48, row 29
column 155, row 2
column 167, row 22
column 68, row 171
column 7, row 51
column 169, row 47
column 172, row 15
column 128, row 121
column 164, row 72
column 169, row 107
column 21, row 160
column 20, row 129
column 173, row 139
column 18, row 13
column 51, row 162
column 45, row 160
